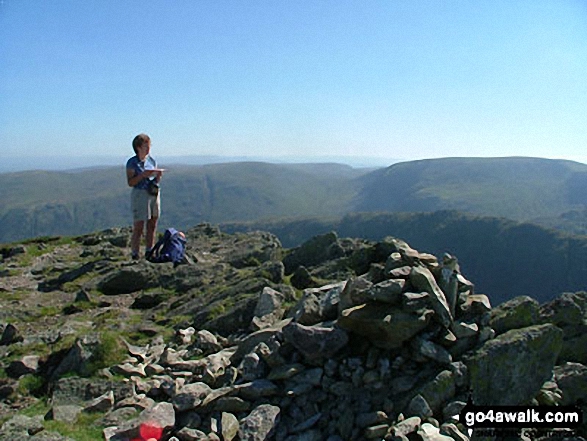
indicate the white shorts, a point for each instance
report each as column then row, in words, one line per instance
column 143, row 205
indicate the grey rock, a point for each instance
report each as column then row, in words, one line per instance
column 519, row 312
column 571, row 378
column 449, row 280
column 453, row 409
column 67, row 413
column 231, row 404
column 190, row 396
column 257, row 389
column 230, row 426
column 366, row 419
column 407, row 426
column 78, row 357
column 128, row 370
column 412, row 301
column 10, row 335
column 189, row 434
column 566, row 310
column 251, row 367
column 307, row 310
column 249, row 343
column 102, row 403
column 528, row 356
column 464, row 330
column 315, row 342
column 428, row 432
column 269, row 309
column 423, row 280
column 207, row 341
column 388, row 291
column 384, row 325
column 419, row 407
column 29, row 364
column 440, row 390
column 129, row 279
column 432, row 351
column 20, row 427
column 259, row 424
column 376, row 432
column 451, row 430
column 355, row 292
column 118, row 416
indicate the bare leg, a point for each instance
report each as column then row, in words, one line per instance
column 151, row 229
column 137, row 233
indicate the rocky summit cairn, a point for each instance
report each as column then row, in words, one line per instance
column 379, row 341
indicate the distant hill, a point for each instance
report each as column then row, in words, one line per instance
column 526, row 189
column 39, row 203
column 504, row 257
column 547, row 192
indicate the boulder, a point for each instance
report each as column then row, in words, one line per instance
column 315, row 342
column 128, row 279
column 423, row 280
column 258, row 425
column 511, row 369
column 571, row 378
column 385, row 326
column 29, row 364
column 518, row 312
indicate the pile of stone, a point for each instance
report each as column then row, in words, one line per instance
column 392, row 354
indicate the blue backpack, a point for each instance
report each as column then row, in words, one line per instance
column 170, row 248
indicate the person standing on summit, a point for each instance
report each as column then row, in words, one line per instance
column 143, row 176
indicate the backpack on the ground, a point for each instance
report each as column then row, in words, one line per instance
column 170, row 248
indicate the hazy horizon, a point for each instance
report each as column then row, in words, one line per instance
column 62, row 163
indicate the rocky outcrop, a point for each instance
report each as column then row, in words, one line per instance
column 394, row 352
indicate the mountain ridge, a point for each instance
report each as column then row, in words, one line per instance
column 544, row 191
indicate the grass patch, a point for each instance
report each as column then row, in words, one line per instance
column 29, row 384
column 49, row 311
column 110, row 351
column 41, row 407
column 83, row 429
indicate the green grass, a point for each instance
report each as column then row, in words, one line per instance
column 29, row 384
column 110, row 351
column 83, row 429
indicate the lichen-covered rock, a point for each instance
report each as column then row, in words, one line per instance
column 384, row 325
column 315, row 342
column 516, row 313
column 571, row 378
column 510, row 369
column 258, row 425
column 422, row 279
column 128, row 279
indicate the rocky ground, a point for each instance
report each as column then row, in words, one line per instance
column 339, row 339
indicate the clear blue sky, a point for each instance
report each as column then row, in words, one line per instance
column 402, row 79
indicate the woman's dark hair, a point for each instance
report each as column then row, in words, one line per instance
column 139, row 141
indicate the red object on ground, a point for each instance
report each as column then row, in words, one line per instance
column 150, row 431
